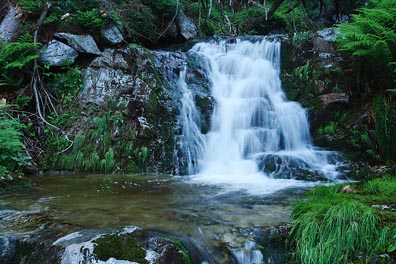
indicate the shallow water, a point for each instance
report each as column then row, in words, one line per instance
column 207, row 214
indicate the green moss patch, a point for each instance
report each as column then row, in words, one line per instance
column 119, row 247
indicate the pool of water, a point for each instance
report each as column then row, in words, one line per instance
column 164, row 203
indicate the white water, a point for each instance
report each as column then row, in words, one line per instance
column 257, row 136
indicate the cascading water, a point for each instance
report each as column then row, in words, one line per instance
column 258, row 141
column 192, row 143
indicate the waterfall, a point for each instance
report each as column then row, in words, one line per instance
column 192, row 142
column 258, row 140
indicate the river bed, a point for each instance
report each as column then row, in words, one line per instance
column 210, row 215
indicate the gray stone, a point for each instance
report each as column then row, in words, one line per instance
column 9, row 26
column 7, row 248
column 106, row 76
column 112, row 35
column 58, row 54
column 186, row 26
column 334, row 98
column 172, row 30
column 81, row 43
column 329, row 34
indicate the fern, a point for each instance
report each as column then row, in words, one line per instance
column 371, row 39
column 11, row 154
column 14, row 58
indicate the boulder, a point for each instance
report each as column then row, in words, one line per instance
column 57, row 53
column 172, row 30
column 186, row 26
column 334, row 98
column 7, row 248
column 81, row 43
column 111, row 35
column 105, row 77
column 9, row 26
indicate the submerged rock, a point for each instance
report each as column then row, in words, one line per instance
column 7, row 248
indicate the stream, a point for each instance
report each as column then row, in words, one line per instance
column 210, row 216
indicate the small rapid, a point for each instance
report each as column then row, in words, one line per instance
column 259, row 141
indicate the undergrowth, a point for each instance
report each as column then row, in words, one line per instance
column 336, row 226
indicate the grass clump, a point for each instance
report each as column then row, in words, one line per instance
column 384, row 187
column 335, row 227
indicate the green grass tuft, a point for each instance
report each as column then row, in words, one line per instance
column 330, row 227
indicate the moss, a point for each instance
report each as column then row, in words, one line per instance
column 35, row 252
column 119, row 247
column 14, row 184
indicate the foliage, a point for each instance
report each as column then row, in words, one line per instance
column 250, row 20
column 66, row 83
column 144, row 21
column 384, row 187
column 371, row 39
column 303, row 72
column 82, row 15
column 329, row 129
column 88, row 19
column 33, row 7
column 15, row 59
column 385, row 117
column 12, row 156
column 332, row 227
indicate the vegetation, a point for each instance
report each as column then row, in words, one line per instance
column 12, row 156
column 385, row 114
column 371, row 39
column 344, row 223
column 16, row 59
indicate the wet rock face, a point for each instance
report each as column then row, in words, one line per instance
column 313, row 74
column 198, row 81
column 107, row 76
column 131, row 244
column 142, row 85
column 7, row 248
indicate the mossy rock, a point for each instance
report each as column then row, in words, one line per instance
column 119, row 247
column 14, row 184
